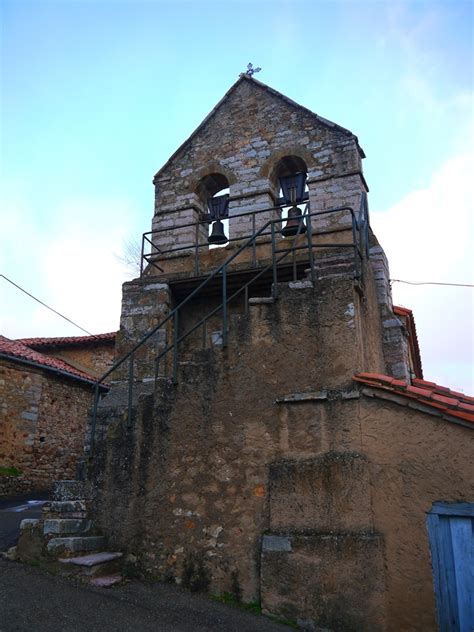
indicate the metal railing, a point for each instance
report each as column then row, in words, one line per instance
column 359, row 244
column 152, row 253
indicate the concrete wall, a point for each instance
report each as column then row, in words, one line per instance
column 42, row 426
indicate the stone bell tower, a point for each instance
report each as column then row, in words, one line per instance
column 253, row 141
column 263, row 291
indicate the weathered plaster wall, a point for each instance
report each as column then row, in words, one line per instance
column 186, row 484
column 42, row 426
column 94, row 359
column 416, row 459
column 413, row 459
column 270, row 438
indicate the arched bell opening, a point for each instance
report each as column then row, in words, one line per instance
column 213, row 191
column 289, row 177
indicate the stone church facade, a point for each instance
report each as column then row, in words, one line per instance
column 268, row 431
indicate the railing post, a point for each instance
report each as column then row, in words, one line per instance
column 175, row 346
column 309, row 237
column 94, row 417
column 224, row 306
column 355, row 246
column 274, row 265
column 196, row 250
column 130, row 388
column 254, row 245
column 141, row 255
column 157, row 369
column 204, row 334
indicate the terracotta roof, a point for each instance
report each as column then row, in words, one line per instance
column 69, row 341
column 16, row 350
column 407, row 315
column 436, row 399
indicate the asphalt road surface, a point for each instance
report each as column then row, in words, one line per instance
column 32, row 600
column 12, row 512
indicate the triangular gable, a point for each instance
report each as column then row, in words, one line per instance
column 273, row 92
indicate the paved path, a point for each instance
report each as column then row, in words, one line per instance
column 33, row 601
column 12, row 512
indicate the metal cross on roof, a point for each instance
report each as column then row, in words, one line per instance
column 250, row 70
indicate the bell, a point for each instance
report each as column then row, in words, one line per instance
column 217, row 237
column 293, row 224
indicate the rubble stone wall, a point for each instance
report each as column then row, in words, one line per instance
column 42, row 427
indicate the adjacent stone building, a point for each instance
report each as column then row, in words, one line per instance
column 46, row 396
column 269, row 432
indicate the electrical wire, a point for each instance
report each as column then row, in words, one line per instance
column 90, row 334
column 431, row 283
column 47, row 306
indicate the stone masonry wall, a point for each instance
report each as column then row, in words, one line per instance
column 394, row 335
column 145, row 303
column 192, row 466
column 244, row 140
column 42, row 426
column 265, row 474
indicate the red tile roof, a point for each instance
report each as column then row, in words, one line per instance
column 18, row 351
column 407, row 314
column 69, row 341
column 440, row 399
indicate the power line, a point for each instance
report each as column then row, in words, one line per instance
column 431, row 283
column 47, row 306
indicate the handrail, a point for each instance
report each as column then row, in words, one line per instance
column 152, row 257
column 222, row 271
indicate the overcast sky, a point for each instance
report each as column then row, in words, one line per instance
column 97, row 94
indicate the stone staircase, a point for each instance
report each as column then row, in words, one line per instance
column 65, row 540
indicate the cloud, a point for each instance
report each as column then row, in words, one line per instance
column 427, row 236
column 73, row 268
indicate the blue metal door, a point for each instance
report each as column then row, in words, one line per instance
column 451, row 534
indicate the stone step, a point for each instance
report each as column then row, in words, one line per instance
column 106, row 581
column 261, row 300
column 97, row 564
column 64, row 546
column 66, row 507
column 93, row 559
column 66, row 526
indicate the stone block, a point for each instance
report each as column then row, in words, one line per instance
column 65, row 506
column 333, row 581
column 69, row 490
column 331, row 492
column 276, row 543
column 29, row 523
column 66, row 526
column 63, row 546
